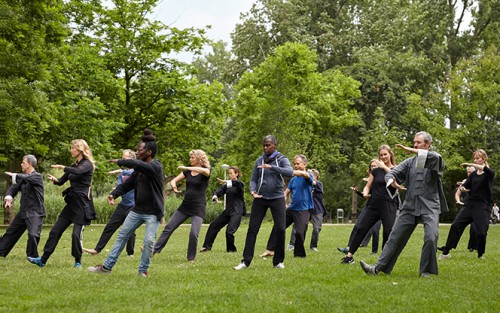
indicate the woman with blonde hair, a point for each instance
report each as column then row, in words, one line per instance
column 383, row 204
column 193, row 206
column 477, row 207
column 79, row 208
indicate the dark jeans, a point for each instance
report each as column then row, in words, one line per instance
column 233, row 223
column 16, row 229
column 259, row 210
column 115, row 221
column 55, row 234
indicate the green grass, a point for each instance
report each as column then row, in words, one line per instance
column 318, row 283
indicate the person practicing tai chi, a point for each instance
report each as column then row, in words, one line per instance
column 31, row 211
column 383, row 205
column 147, row 183
column 317, row 214
column 234, row 190
column 267, row 187
column 477, row 206
column 79, row 209
column 424, row 202
column 298, row 213
column 121, row 212
column 194, row 204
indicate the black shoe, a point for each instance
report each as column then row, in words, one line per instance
column 367, row 268
column 347, row 260
column 441, row 248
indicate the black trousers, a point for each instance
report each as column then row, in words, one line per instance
column 115, row 221
column 16, row 229
column 259, row 210
column 477, row 214
column 378, row 210
column 55, row 235
column 300, row 219
column 233, row 223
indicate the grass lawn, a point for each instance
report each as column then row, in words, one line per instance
column 318, row 283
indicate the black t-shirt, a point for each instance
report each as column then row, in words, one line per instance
column 195, row 199
column 480, row 186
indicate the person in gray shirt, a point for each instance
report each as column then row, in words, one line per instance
column 424, row 202
column 267, row 187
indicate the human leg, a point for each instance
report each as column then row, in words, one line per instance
column 428, row 259
column 232, row 227
column 317, row 222
column 115, row 221
column 12, row 235
column 152, row 224
column 34, row 226
column 259, row 210
column 401, row 231
column 214, row 229
column 55, row 234
column 76, row 242
column 131, row 223
column 300, row 220
column 481, row 216
column 461, row 221
column 278, row 211
column 196, row 222
column 175, row 221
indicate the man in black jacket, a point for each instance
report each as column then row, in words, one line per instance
column 31, row 212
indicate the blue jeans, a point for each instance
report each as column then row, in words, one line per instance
column 131, row 223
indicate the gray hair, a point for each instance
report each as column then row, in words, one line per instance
column 30, row 159
column 270, row 138
column 427, row 136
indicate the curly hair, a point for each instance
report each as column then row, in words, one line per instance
column 201, row 156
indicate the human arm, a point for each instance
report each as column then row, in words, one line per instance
column 407, row 149
column 177, row 179
column 198, row 169
column 118, row 171
column 476, row 166
column 368, row 186
column 458, row 193
column 287, row 193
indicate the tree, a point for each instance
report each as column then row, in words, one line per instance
column 143, row 86
column 286, row 96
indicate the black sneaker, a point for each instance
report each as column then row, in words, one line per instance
column 347, row 260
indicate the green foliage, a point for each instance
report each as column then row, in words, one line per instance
column 287, row 97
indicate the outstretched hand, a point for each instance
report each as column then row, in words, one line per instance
column 111, row 200
column 58, row 166
column 52, row 178
column 9, row 173
column 221, row 181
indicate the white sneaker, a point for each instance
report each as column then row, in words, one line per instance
column 280, row 266
column 290, row 247
column 444, row 256
column 240, row 266
column 314, row 249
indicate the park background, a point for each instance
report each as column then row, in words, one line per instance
column 330, row 79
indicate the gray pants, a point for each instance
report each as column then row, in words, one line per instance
column 175, row 221
column 401, row 231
